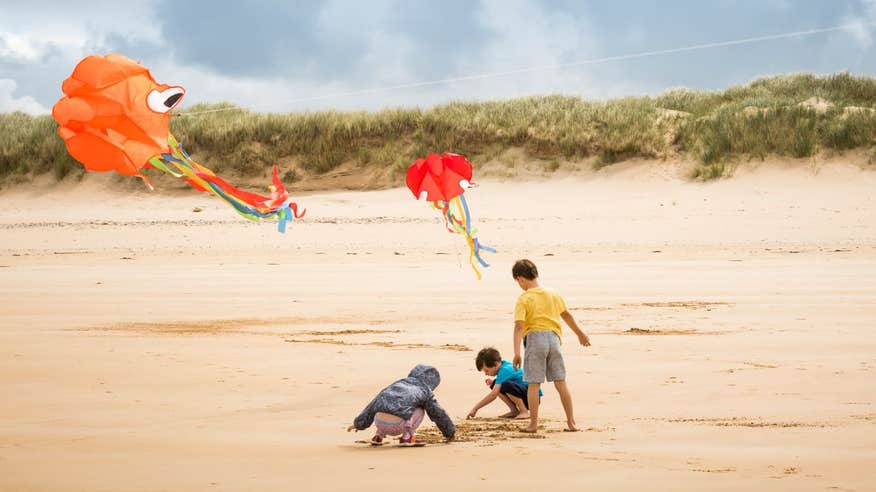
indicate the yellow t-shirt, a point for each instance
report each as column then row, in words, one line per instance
column 540, row 309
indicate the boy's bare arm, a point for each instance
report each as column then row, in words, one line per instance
column 492, row 395
column 518, row 339
column 570, row 321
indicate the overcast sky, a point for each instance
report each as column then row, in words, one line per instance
column 286, row 55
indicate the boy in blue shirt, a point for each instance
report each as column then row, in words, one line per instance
column 507, row 384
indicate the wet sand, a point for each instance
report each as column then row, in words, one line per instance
column 145, row 346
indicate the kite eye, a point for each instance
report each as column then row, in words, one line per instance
column 164, row 101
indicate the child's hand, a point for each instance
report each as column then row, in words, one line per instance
column 517, row 361
column 352, row 428
column 471, row 414
column 585, row 341
column 488, row 381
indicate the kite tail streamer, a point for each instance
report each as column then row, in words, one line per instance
column 457, row 219
column 252, row 206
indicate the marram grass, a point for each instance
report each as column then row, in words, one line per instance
column 792, row 115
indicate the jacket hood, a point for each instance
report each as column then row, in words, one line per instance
column 427, row 374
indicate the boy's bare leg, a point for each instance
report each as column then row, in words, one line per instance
column 511, row 406
column 520, row 410
column 532, row 396
column 566, row 398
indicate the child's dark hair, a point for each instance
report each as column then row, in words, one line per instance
column 525, row 269
column 488, row 357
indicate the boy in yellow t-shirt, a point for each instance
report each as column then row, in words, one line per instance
column 537, row 324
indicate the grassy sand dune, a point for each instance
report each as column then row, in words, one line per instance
column 790, row 116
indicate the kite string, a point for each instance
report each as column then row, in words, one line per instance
column 592, row 61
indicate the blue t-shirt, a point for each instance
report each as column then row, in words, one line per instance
column 506, row 372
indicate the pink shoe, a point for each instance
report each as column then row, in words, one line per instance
column 407, row 441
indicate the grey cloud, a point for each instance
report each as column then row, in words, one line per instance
column 306, row 48
column 251, row 39
column 40, row 78
column 323, row 41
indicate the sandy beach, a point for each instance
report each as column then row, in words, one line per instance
column 145, row 346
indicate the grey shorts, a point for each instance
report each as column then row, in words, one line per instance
column 542, row 358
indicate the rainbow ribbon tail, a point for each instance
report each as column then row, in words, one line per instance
column 251, row 206
column 457, row 219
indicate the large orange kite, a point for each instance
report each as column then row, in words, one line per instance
column 115, row 117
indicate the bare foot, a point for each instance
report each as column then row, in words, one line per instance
column 509, row 415
column 528, row 430
column 571, row 427
column 522, row 415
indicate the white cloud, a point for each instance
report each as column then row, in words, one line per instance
column 61, row 22
column 527, row 35
column 861, row 27
column 20, row 49
column 860, row 30
column 32, row 30
column 9, row 103
column 870, row 9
